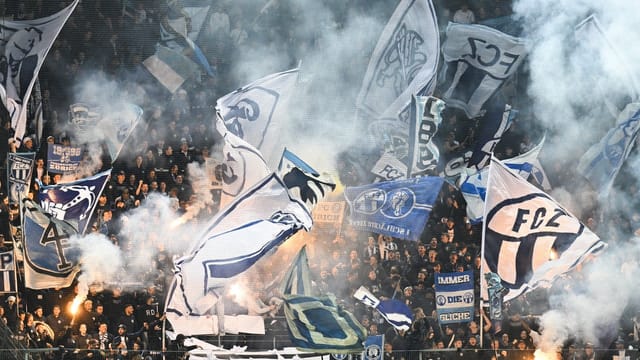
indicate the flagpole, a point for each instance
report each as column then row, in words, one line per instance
column 484, row 229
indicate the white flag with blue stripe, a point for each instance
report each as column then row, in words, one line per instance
column 253, row 225
column 404, row 62
column 601, row 163
column 529, row 239
column 397, row 313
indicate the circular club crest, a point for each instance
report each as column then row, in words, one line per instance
column 400, row 203
column 373, row 352
column 370, row 201
column 441, row 300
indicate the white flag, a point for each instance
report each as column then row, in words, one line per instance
column 529, row 239
column 24, row 46
column 256, row 223
column 404, row 62
column 257, row 112
column 478, row 60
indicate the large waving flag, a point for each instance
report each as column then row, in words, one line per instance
column 257, row 112
column 474, row 186
column 19, row 169
column 24, row 46
column 74, row 202
column 404, row 62
column 529, row 239
column 303, row 181
column 397, row 208
column 317, row 323
column 90, row 124
column 49, row 262
column 601, row 163
column 394, row 311
column 254, row 224
column 478, row 60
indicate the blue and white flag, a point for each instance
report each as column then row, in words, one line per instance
column 63, row 159
column 303, row 181
column 425, row 120
column 24, row 46
column 92, row 125
column 253, row 225
column 8, row 272
column 474, row 183
column 529, row 238
column 404, row 62
column 454, row 297
column 74, row 202
column 257, row 112
column 397, row 208
column 478, row 61
column 171, row 68
column 49, row 260
column 19, row 170
column 242, row 165
column 317, row 323
column 601, row 163
column 495, row 123
column 175, row 34
column 397, row 313
column 374, row 347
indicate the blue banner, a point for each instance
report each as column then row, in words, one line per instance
column 454, row 297
column 374, row 347
column 73, row 202
column 63, row 159
column 397, row 208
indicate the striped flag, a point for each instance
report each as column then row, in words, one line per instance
column 529, row 238
column 317, row 323
column 394, row 311
column 170, row 68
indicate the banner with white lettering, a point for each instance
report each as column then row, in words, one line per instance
column 478, row 60
column 19, row 170
column 454, row 297
column 63, row 159
column 329, row 212
column 397, row 208
column 7, row 272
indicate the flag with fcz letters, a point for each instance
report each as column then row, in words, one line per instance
column 478, row 60
column 529, row 238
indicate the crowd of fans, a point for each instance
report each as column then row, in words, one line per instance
column 111, row 39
